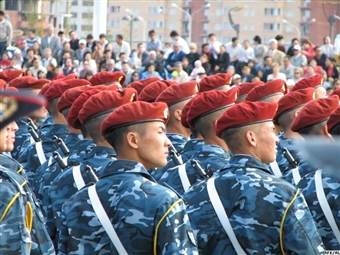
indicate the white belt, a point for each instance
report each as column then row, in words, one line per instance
column 184, row 177
column 222, row 216
column 320, row 193
column 104, row 220
column 296, row 175
column 275, row 168
column 78, row 178
column 40, row 152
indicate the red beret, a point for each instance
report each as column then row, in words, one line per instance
column 69, row 96
column 148, row 81
column 108, row 78
column 105, row 102
column 178, row 93
column 184, row 114
column 28, row 82
column 77, row 105
column 246, row 87
column 135, row 112
column 170, row 82
column 10, row 74
column 58, row 87
column 336, row 92
column 44, row 89
column 293, row 100
column 215, row 81
column 152, row 91
column 271, row 88
column 69, row 77
column 209, row 102
column 245, row 113
column 334, row 119
column 315, row 112
column 2, row 84
column 311, row 82
column 137, row 85
column 14, row 89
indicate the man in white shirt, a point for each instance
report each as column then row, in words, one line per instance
column 234, row 48
column 37, row 67
column 182, row 43
column 298, row 60
column 328, row 48
column 247, row 53
column 48, row 59
column 120, row 46
column 214, row 45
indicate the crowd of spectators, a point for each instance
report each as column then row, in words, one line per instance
column 56, row 55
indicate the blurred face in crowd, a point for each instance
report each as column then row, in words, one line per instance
column 246, row 44
column 58, row 71
column 212, row 38
column 4, row 56
column 296, row 42
column 286, row 61
column 327, row 40
column 231, row 70
column 86, row 65
column 178, row 67
column 68, row 62
column 88, row 56
column 222, row 49
column 336, row 84
column 152, row 37
column 30, row 53
column 245, row 71
column 123, row 58
column 66, row 55
column 185, row 62
column 310, row 71
column 67, row 46
column 151, row 69
column 108, row 55
column 203, row 59
column 297, row 73
column 23, row 44
column 206, row 49
column 276, row 69
column 318, row 52
column 47, row 54
column 152, row 55
column 193, row 48
column 176, row 47
column 82, row 46
column 2, row 17
column 3, row 137
column 296, row 52
column 73, row 35
column 118, row 40
column 49, row 31
column 235, row 43
column 110, row 65
column 269, row 61
column 273, row 45
column 36, row 46
column 125, row 67
column 141, row 48
column 36, row 63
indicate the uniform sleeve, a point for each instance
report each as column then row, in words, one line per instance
column 63, row 234
column 174, row 234
column 15, row 237
column 298, row 230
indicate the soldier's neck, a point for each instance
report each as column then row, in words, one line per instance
column 292, row 135
column 178, row 129
column 214, row 140
column 74, row 130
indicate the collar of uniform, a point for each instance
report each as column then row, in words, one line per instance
column 23, row 121
column 126, row 166
column 176, row 137
column 208, row 150
column 82, row 145
column 99, row 152
column 9, row 163
column 72, row 139
column 58, row 130
column 193, row 145
column 246, row 161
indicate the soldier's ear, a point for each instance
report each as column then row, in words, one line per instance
column 296, row 113
column 251, row 138
column 132, row 139
column 178, row 114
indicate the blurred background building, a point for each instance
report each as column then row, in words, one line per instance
column 193, row 19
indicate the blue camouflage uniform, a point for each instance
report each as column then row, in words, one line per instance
column 189, row 149
column 148, row 218
column 48, row 145
column 80, row 150
column 46, row 125
column 304, row 168
column 63, row 187
column 22, row 226
column 331, row 185
column 257, row 204
column 10, row 163
column 23, row 138
column 70, row 141
column 212, row 158
column 177, row 140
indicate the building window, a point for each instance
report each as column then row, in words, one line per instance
column 86, row 27
column 173, row 12
column 252, row 27
column 218, row 12
column 217, row 26
column 87, row 3
column 225, row 39
column 205, row 26
column 289, row 28
column 155, row 24
column 272, row 26
column 74, row 3
column 290, row 14
column 272, row 11
column 252, row 13
column 74, row 15
column 226, row 10
column 87, row 15
column 113, row 23
column 115, row 9
column 245, row 27
column 226, row 25
column 156, row 10
column 12, row 5
column 172, row 26
column 246, row 13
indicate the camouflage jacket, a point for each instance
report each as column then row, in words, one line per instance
column 70, row 141
column 11, row 164
column 304, row 168
column 22, row 138
column 45, row 126
column 63, row 187
column 48, row 145
column 148, row 218
column 331, row 185
column 257, row 204
column 22, row 226
column 177, row 140
column 80, row 150
column 189, row 149
column 212, row 158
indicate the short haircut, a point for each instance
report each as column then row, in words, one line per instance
column 234, row 39
column 139, row 44
column 106, row 51
column 174, row 33
column 295, row 39
column 125, row 63
column 211, row 34
column 257, row 39
column 233, row 138
column 69, row 33
column 52, row 107
column 93, row 127
column 279, row 37
column 60, row 33
column 33, row 30
column 121, row 54
column 119, row 36
column 89, row 36
column 2, row 13
column 116, row 137
column 336, row 130
column 30, row 49
column 312, row 129
column 102, row 36
column 152, row 31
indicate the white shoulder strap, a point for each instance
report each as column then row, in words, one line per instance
column 222, row 216
column 184, row 177
column 320, row 193
column 104, row 220
column 78, row 178
column 40, row 152
column 296, row 175
column 276, row 170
